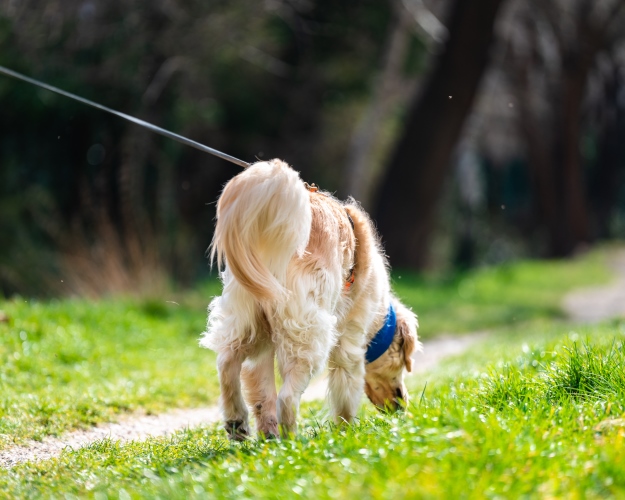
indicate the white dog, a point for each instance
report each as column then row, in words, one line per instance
column 305, row 281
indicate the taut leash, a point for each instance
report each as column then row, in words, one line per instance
column 137, row 121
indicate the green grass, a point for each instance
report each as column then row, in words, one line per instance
column 498, row 296
column 541, row 420
column 73, row 363
column 527, row 415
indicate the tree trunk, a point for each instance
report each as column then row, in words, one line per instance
column 609, row 171
column 574, row 196
column 540, row 163
column 414, row 181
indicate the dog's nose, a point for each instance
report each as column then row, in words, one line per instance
column 402, row 395
column 400, row 400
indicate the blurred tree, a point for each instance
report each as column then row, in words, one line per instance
column 554, row 52
column 413, row 32
column 114, row 208
column 388, row 87
column 413, row 183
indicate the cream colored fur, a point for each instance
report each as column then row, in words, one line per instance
column 287, row 253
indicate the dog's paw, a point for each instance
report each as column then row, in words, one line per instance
column 237, row 430
column 268, row 429
column 268, row 435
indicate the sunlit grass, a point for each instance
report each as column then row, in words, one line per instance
column 535, row 411
column 496, row 428
column 73, row 363
column 66, row 364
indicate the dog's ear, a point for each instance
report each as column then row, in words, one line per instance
column 407, row 330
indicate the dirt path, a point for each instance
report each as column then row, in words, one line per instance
column 593, row 304
column 133, row 428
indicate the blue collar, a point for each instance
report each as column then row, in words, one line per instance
column 384, row 338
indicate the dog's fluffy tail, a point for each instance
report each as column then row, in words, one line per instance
column 263, row 220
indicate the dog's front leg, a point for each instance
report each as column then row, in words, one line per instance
column 259, row 383
column 347, row 376
column 233, row 407
column 302, row 349
column 296, row 378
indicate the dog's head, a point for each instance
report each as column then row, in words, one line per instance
column 384, row 377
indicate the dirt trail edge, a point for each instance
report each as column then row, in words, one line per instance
column 593, row 304
column 133, row 428
column 136, row 428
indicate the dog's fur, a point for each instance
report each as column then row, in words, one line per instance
column 288, row 252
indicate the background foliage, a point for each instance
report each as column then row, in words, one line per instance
column 91, row 205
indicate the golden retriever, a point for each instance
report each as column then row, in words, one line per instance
column 305, row 281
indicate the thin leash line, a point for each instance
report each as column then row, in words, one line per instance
column 137, row 121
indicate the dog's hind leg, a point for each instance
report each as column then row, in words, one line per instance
column 259, row 383
column 347, row 376
column 233, row 408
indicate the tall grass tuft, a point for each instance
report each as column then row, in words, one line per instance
column 508, row 389
column 577, row 373
column 587, row 372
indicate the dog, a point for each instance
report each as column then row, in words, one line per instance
column 305, row 281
